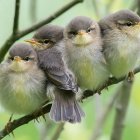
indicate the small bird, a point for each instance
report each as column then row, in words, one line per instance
column 62, row 86
column 22, row 82
column 121, row 42
column 83, row 54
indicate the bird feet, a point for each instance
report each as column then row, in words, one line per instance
column 8, row 126
column 130, row 76
column 36, row 114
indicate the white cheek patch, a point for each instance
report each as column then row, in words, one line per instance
column 83, row 39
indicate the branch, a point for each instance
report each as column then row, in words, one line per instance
column 109, row 6
column 138, row 4
column 45, row 109
column 16, row 17
column 96, row 8
column 110, row 82
column 121, row 109
column 103, row 116
column 45, row 128
column 50, row 18
column 21, row 34
column 23, row 120
column 58, row 131
column 33, row 9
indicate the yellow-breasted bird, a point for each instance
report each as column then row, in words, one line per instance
column 22, row 82
column 83, row 46
column 121, row 42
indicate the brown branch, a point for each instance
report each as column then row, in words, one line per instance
column 21, row 34
column 45, row 109
column 16, row 17
column 110, row 82
column 24, row 120
column 50, row 18
column 121, row 109
column 58, row 131
column 103, row 116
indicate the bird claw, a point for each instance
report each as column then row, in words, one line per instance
column 37, row 118
column 99, row 91
column 130, row 76
column 8, row 126
column 43, row 116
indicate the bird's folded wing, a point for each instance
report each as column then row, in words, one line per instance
column 51, row 62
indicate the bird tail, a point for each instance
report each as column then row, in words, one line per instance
column 65, row 108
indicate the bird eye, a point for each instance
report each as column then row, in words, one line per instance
column 90, row 29
column 125, row 23
column 129, row 23
column 11, row 58
column 46, row 41
column 72, row 33
column 27, row 58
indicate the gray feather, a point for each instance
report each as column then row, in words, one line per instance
column 65, row 107
column 51, row 62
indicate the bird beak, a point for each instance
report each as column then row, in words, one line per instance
column 17, row 58
column 32, row 41
column 81, row 32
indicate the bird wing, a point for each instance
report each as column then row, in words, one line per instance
column 50, row 60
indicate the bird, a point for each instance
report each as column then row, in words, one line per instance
column 121, row 38
column 22, row 82
column 62, row 86
column 83, row 53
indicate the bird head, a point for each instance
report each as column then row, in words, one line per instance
column 82, row 31
column 22, row 57
column 124, row 22
column 46, row 37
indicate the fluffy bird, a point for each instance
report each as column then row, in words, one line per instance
column 83, row 54
column 61, row 81
column 121, row 42
column 22, row 82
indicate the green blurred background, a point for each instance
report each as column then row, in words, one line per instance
column 33, row 11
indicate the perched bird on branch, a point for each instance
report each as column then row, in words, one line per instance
column 22, row 82
column 121, row 42
column 62, row 85
column 83, row 47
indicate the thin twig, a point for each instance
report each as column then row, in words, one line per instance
column 20, row 34
column 103, row 116
column 45, row 109
column 97, row 105
column 16, row 17
column 121, row 109
column 96, row 8
column 33, row 9
column 58, row 131
column 109, row 5
column 45, row 128
column 50, row 18
column 138, row 4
